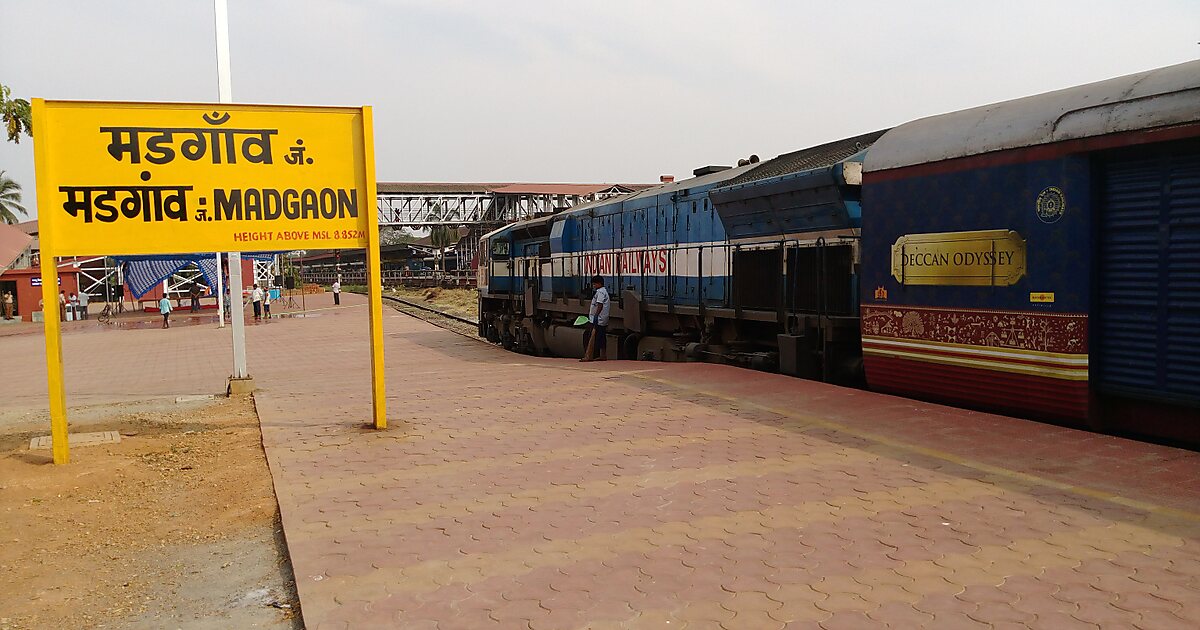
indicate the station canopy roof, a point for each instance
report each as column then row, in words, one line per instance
column 143, row 273
column 566, row 189
column 435, row 188
column 465, row 188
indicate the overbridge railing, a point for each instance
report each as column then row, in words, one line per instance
column 394, row 277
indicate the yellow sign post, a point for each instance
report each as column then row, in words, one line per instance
column 151, row 178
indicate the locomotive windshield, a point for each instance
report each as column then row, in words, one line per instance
column 499, row 249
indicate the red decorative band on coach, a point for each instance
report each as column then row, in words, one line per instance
column 1038, row 332
column 1030, row 362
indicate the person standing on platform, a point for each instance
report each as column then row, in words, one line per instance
column 267, row 303
column 81, row 310
column 597, row 349
column 7, row 304
column 62, row 306
column 337, row 292
column 164, row 307
column 195, row 295
column 256, row 297
column 73, row 306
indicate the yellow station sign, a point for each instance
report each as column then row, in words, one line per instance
column 142, row 178
column 154, row 178
column 976, row 258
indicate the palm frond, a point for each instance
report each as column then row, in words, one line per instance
column 10, row 199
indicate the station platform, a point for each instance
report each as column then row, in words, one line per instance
column 517, row 492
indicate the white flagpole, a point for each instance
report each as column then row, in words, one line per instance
column 225, row 91
column 220, row 292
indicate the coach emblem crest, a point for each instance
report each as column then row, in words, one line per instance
column 1051, row 205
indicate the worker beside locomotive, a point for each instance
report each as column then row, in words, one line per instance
column 1037, row 257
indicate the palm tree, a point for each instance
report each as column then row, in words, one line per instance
column 440, row 236
column 10, row 199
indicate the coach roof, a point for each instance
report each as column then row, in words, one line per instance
column 1155, row 98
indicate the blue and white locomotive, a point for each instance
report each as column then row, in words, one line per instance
column 789, row 226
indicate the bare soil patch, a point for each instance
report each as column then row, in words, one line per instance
column 176, row 526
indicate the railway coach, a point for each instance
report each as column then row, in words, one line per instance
column 1041, row 256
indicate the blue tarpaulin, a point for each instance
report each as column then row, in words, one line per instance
column 143, row 273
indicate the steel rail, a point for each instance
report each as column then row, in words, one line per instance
column 431, row 310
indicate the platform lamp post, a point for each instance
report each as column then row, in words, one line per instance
column 225, row 93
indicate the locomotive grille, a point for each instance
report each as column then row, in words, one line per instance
column 821, row 280
column 756, row 274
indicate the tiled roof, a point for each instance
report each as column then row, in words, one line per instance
column 13, row 243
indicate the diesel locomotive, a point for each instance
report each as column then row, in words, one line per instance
column 1038, row 257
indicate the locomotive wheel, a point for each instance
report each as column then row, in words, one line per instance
column 629, row 346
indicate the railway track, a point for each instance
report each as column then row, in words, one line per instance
column 461, row 325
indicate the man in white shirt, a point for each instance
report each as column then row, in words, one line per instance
column 337, row 292
column 82, row 312
column 256, row 296
column 598, row 313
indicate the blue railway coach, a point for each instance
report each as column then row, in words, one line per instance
column 1042, row 256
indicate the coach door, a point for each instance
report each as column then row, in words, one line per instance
column 1147, row 344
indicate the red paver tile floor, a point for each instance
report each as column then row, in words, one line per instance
column 515, row 492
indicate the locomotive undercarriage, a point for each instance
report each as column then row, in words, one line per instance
column 818, row 347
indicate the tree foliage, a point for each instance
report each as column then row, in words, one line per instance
column 440, row 236
column 395, row 236
column 10, row 199
column 16, row 114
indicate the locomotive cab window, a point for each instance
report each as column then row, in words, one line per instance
column 500, row 249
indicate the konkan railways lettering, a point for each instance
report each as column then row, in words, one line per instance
column 648, row 261
column 108, row 204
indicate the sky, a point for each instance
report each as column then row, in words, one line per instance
column 586, row 91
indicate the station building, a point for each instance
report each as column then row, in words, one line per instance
column 20, row 275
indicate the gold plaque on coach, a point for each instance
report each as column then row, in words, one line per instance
column 979, row 259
